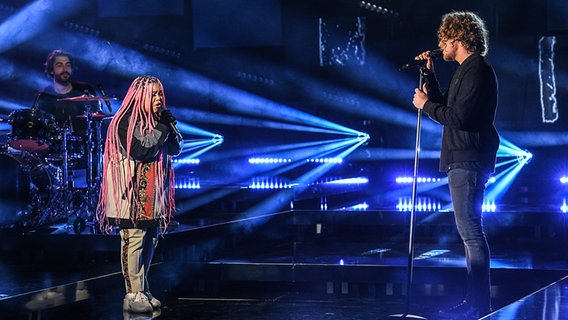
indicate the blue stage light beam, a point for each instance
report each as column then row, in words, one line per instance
column 283, row 198
column 103, row 55
column 34, row 19
column 187, row 128
column 372, row 108
column 236, row 174
column 198, row 153
column 373, row 154
column 404, row 190
column 324, row 150
column 532, row 139
column 126, row 61
column 495, row 191
column 193, row 144
column 274, row 151
column 248, row 103
column 297, row 153
column 298, row 158
column 504, row 180
column 198, row 116
column 8, row 69
column 201, row 197
column 507, row 148
column 8, row 106
column 24, row 77
column 505, row 163
column 334, row 97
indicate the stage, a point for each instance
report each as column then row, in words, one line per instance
column 294, row 264
column 295, row 182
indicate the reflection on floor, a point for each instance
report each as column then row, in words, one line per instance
column 289, row 265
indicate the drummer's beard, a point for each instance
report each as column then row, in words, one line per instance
column 63, row 78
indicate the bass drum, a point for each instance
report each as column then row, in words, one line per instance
column 27, row 188
column 30, row 129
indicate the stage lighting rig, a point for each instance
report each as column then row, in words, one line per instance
column 81, row 28
column 363, row 137
column 524, row 158
column 162, row 51
column 368, row 5
column 217, row 139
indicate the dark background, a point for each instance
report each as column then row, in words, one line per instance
column 233, row 58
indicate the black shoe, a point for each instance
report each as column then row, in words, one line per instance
column 462, row 311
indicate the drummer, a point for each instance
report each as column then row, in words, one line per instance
column 59, row 66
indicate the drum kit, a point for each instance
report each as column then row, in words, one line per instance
column 39, row 165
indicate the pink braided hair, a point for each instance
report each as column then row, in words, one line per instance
column 138, row 96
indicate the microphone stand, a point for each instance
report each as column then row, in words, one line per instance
column 406, row 314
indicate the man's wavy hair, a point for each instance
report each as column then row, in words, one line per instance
column 50, row 60
column 466, row 27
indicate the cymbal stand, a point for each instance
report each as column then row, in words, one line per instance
column 61, row 203
column 93, row 179
column 65, row 175
column 99, row 148
column 89, row 149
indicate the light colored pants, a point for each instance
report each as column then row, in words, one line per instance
column 137, row 249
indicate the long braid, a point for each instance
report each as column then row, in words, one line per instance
column 117, row 170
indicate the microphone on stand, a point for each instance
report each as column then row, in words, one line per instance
column 173, row 126
column 434, row 54
column 100, row 86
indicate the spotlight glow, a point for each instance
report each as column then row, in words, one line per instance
column 350, row 181
column 489, row 207
column 186, row 161
column 407, row 180
column 423, row 204
column 326, row 160
column 268, row 160
column 271, row 183
column 360, row 207
column 187, row 183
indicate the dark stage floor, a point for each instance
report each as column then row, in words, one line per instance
column 288, row 265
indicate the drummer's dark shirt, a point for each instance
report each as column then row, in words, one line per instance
column 66, row 113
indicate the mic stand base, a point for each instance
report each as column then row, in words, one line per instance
column 405, row 316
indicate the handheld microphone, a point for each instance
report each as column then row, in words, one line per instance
column 100, row 86
column 173, row 126
column 434, row 54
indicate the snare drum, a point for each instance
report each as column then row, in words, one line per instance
column 30, row 129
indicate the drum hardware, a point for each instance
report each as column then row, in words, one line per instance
column 45, row 156
column 28, row 189
column 66, row 187
column 94, row 153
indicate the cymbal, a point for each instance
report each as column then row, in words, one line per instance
column 86, row 97
column 98, row 116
